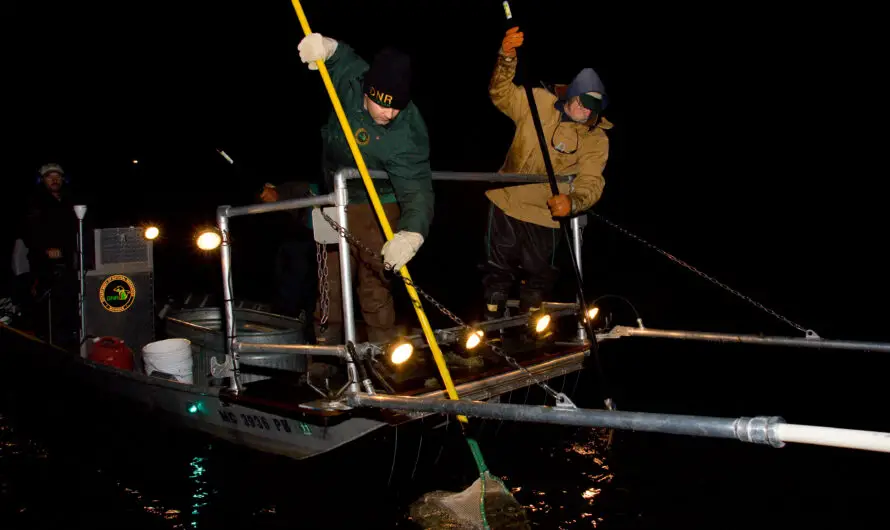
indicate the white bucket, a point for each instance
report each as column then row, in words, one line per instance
column 171, row 356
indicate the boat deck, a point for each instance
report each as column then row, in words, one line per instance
column 482, row 376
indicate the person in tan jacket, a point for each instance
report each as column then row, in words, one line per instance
column 522, row 231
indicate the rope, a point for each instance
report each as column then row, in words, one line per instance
column 807, row 332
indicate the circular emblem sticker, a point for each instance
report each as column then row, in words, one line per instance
column 362, row 136
column 117, row 293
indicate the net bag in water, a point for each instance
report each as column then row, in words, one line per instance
column 487, row 503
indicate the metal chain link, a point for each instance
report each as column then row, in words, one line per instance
column 703, row 275
column 456, row 319
column 354, row 240
column 553, row 393
column 321, row 257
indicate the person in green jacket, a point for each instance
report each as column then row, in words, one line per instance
column 392, row 136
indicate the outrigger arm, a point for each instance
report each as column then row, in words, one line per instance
column 811, row 341
column 769, row 430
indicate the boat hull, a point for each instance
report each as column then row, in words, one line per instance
column 189, row 407
column 293, row 430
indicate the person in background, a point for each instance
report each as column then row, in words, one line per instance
column 50, row 235
column 392, row 136
column 522, row 228
column 295, row 263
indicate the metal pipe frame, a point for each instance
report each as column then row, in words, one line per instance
column 341, row 196
column 300, row 349
column 281, row 206
column 627, row 331
column 576, row 222
column 82, row 301
column 233, row 347
column 760, row 429
column 514, row 178
column 454, row 334
column 340, row 199
column 49, row 305
column 225, row 253
column 576, row 225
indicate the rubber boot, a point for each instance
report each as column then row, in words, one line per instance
column 495, row 308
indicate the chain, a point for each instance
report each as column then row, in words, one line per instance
column 321, row 256
column 438, row 305
column 343, row 232
column 703, row 275
column 515, row 364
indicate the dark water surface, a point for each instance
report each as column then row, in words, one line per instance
column 99, row 469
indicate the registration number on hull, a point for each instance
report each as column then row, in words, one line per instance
column 260, row 422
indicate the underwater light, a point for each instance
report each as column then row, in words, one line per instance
column 474, row 338
column 152, row 232
column 401, row 352
column 209, row 240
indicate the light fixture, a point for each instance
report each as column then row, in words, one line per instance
column 400, row 352
column 591, row 314
column 151, row 232
column 539, row 321
column 209, row 239
column 473, row 339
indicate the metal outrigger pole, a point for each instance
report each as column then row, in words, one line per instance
column 768, row 430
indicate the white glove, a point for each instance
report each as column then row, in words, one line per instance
column 314, row 47
column 399, row 250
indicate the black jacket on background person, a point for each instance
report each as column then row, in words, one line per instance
column 50, row 223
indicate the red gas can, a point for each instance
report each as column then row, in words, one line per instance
column 113, row 352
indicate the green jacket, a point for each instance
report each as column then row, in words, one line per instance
column 400, row 148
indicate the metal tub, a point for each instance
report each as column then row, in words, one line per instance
column 205, row 329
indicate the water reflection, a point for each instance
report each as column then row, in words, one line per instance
column 576, row 503
column 197, row 465
column 561, row 477
column 199, row 494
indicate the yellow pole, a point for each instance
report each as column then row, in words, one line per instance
column 381, row 216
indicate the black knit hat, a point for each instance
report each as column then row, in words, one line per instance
column 388, row 81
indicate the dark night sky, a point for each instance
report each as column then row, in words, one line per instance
column 746, row 138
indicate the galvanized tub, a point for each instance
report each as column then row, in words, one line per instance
column 204, row 327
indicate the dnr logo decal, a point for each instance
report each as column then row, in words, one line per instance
column 362, row 136
column 117, row 293
column 381, row 98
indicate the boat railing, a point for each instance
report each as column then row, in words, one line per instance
column 339, row 200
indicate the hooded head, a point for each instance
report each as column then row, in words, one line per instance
column 591, row 94
column 588, row 83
